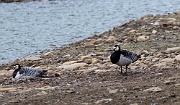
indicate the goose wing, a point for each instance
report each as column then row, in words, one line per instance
column 33, row 72
column 130, row 55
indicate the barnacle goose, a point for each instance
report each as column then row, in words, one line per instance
column 26, row 72
column 123, row 57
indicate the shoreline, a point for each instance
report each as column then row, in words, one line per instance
column 93, row 37
column 82, row 74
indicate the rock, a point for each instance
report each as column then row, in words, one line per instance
column 132, row 31
column 8, row 89
column 95, row 60
column 134, row 104
column 31, row 59
column 41, row 93
column 154, row 31
column 168, row 82
column 85, row 103
column 153, row 89
column 45, row 88
column 142, row 38
column 177, row 58
column 1, row 95
column 156, row 23
column 48, row 53
column 72, row 66
column 175, row 27
column 103, row 101
column 87, row 59
column 177, row 85
column 167, row 60
column 159, row 65
column 111, row 39
column 155, row 59
column 173, row 49
column 112, row 91
column 69, row 62
column 90, row 43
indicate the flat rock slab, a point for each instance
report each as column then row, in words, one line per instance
column 73, row 66
column 153, row 89
column 7, row 89
column 173, row 49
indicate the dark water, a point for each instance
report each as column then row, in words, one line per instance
column 28, row 28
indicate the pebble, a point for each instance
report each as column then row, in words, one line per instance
column 112, row 91
column 168, row 82
column 142, row 38
column 177, row 58
column 173, row 49
column 72, row 66
column 167, row 60
column 154, row 31
column 103, row 101
column 111, row 39
column 31, row 59
column 69, row 62
column 8, row 89
column 177, row 85
column 41, row 93
column 134, row 104
column 159, row 65
column 87, row 59
column 153, row 89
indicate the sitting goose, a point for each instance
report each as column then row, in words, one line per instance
column 27, row 72
column 123, row 57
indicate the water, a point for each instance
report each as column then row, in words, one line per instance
column 31, row 27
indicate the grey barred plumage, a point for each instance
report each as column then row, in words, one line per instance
column 123, row 57
column 27, row 72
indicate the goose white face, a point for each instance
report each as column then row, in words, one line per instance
column 116, row 48
column 16, row 67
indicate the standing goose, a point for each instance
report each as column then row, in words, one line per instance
column 26, row 72
column 123, row 57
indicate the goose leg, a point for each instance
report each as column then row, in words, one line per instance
column 126, row 69
column 121, row 70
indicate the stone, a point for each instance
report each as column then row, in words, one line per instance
column 90, row 43
column 175, row 27
column 41, row 93
column 111, row 39
column 132, row 31
column 134, row 104
column 167, row 60
column 87, row 59
column 48, row 53
column 168, row 82
column 177, row 85
column 112, row 91
column 31, row 59
column 159, row 65
column 72, row 66
column 8, row 89
column 95, row 60
column 69, row 62
column 156, row 23
column 173, row 49
column 142, row 38
column 154, row 31
column 153, row 89
column 177, row 58
column 103, row 101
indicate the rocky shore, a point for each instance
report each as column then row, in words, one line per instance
column 82, row 74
